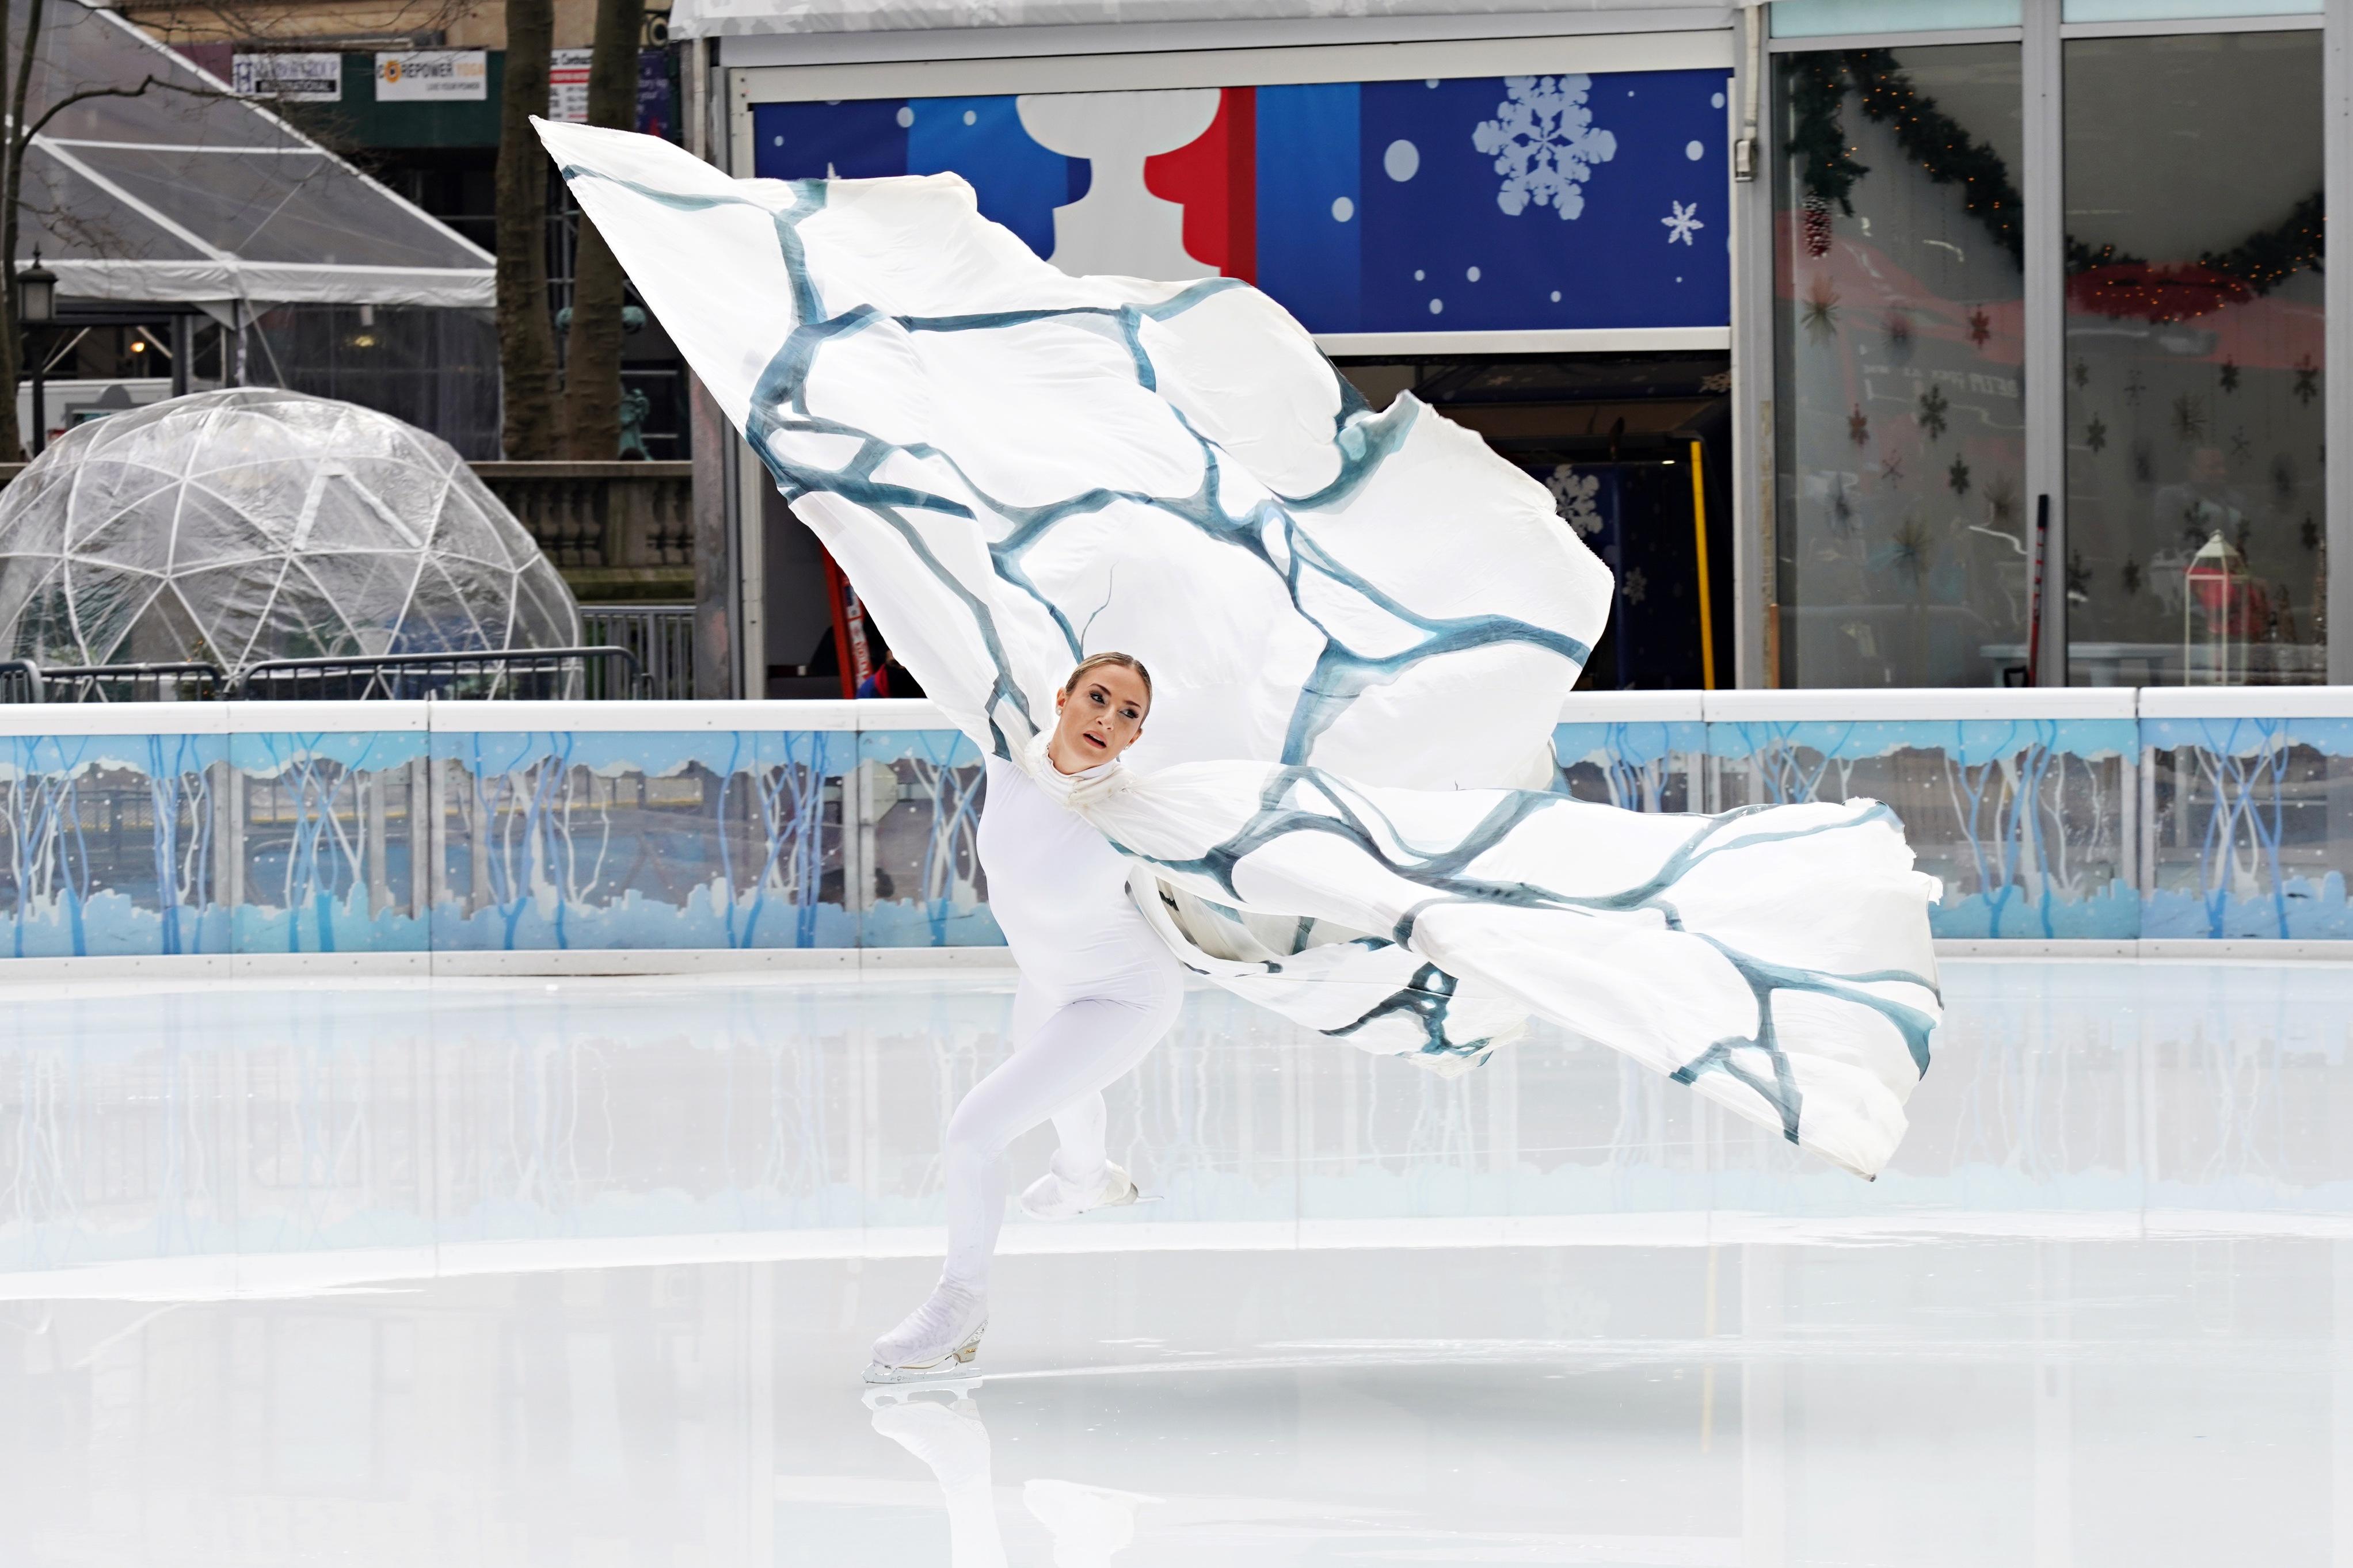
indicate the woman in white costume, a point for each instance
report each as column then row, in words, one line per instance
column 1364, row 623
column 1098, row 990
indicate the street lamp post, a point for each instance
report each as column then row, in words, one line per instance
column 37, row 306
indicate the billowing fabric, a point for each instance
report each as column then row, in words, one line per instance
column 1360, row 626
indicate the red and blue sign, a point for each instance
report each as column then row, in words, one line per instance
column 1465, row 205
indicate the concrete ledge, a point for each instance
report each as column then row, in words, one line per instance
column 872, row 958
column 850, row 961
column 2265, row 950
column 2262, row 950
column 2035, row 947
column 722, row 960
column 311, row 965
column 647, row 960
column 175, row 966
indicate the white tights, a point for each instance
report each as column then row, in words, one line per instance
column 1063, row 1057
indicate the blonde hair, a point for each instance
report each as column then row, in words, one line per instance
column 1124, row 661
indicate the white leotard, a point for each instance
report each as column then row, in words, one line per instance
column 1058, row 891
column 1098, row 990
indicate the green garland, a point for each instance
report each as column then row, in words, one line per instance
column 1948, row 154
column 1816, row 88
column 1941, row 144
column 2262, row 261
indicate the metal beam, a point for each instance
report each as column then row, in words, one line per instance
column 2336, row 121
column 2046, row 321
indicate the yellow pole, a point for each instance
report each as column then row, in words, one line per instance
column 1707, row 611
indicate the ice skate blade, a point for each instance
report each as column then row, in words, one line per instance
column 955, row 1366
column 1126, row 1200
column 886, row 1395
column 893, row 1385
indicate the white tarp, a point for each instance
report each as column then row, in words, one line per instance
column 186, row 193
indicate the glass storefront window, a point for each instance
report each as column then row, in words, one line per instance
column 1901, row 521
column 1823, row 18
column 2195, row 511
column 2181, row 10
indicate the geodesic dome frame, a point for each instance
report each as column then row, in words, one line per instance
column 255, row 523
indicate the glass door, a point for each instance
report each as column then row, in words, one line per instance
column 2195, row 342
column 2070, row 259
column 1898, row 320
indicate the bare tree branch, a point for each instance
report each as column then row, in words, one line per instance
column 87, row 93
column 17, row 143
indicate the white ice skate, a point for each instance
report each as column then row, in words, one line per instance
column 935, row 1342
column 1053, row 1196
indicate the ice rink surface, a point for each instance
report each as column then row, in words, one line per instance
column 582, row 1274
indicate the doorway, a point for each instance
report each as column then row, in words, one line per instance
column 1615, row 437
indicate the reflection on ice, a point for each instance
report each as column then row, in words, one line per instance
column 193, row 1142
column 1946, row 1404
column 300, row 1274
column 1089, row 1525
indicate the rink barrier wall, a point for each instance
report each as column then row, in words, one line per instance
column 576, row 837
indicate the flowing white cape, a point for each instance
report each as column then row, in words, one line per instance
column 1360, row 628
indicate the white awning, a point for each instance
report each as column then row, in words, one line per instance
column 718, row 18
column 185, row 195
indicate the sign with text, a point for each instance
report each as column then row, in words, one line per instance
column 316, row 77
column 423, row 76
column 567, row 84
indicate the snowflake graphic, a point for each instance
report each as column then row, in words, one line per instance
column 1934, row 405
column 1545, row 144
column 1572, row 495
column 1682, row 220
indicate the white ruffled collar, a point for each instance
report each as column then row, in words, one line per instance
column 1073, row 790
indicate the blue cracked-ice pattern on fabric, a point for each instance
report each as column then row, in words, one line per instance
column 779, row 407
column 1309, row 800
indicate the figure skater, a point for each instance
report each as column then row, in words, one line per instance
column 1351, row 815
column 1098, row 990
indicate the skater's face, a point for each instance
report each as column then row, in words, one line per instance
column 1097, row 718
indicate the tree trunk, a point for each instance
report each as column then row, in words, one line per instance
column 592, row 352
column 526, row 336
column 12, row 179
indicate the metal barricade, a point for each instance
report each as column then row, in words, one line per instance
column 661, row 636
column 191, row 681
column 574, row 674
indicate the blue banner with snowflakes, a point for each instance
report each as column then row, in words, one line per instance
column 1466, row 205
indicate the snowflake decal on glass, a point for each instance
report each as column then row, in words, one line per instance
column 1545, row 144
column 1572, row 495
column 1680, row 221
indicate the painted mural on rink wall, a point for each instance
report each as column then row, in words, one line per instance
column 806, row 832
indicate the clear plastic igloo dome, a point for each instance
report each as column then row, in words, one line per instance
column 254, row 524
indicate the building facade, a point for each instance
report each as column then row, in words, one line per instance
column 1873, row 343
